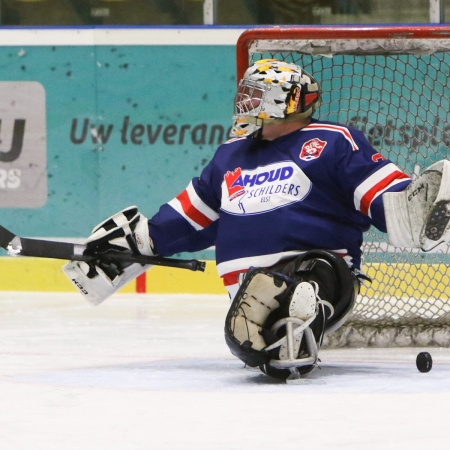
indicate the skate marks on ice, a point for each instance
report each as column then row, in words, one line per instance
column 210, row 375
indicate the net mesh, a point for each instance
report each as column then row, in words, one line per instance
column 397, row 93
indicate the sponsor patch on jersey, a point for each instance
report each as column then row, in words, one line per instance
column 234, row 183
column 312, row 149
column 263, row 189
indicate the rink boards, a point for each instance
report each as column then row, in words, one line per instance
column 396, row 280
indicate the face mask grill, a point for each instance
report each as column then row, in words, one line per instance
column 249, row 99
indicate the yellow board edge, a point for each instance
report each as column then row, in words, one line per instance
column 45, row 275
column 397, row 280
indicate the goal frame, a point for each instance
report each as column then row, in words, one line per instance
column 315, row 33
column 335, row 42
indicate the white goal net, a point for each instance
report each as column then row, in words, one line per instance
column 393, row 83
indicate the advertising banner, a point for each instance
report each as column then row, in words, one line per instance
column 23, row 147
column 86, row 130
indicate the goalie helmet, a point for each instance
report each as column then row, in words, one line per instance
column 273, row 91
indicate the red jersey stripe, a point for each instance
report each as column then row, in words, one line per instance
column 343, row 130
column 191, row 211
column 367, row 198
column 231, row 277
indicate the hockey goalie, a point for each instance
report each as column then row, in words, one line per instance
column 285, row 202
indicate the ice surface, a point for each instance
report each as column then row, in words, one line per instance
column 153, row 372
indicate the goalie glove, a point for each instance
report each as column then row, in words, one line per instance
column 419, row 216
column 126, row 231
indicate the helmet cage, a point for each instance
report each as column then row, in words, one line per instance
column 283, row 93
column 249, row 98
column 268, row 101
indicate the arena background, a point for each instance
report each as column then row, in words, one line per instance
column 104, row 119
column 96, row 119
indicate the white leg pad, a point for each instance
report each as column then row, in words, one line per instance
column 256, row 304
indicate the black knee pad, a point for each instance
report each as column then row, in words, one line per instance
column 337, row 283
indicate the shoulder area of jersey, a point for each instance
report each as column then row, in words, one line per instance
column 235, row 139
column 315, row 123
column 334, row 126
column 337, row 129
column 235, row 143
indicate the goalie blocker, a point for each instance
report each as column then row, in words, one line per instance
column 278, row 317
column 419, row 216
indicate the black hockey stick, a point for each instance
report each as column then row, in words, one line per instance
column 19, row 246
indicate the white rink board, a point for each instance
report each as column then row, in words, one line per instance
column 153, row 372
column 60, row 36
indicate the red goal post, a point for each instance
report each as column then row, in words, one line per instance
column 268, row 37
column 393, row 83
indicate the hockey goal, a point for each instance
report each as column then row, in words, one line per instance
column 393, row 83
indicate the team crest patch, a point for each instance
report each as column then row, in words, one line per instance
column 312, row 149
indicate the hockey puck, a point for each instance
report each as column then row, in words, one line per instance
column 424, row 362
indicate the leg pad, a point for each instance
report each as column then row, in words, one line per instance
column 254, row 302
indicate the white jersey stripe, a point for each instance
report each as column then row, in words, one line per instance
column 371, row 181
column 396, row 181
column 255, row 261
column 242, row 264
column 176, row 205
column 234, row 140
column 199, row 204
column 338, row 129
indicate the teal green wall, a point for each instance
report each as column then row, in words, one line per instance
column 180, row 93
column 163, row 110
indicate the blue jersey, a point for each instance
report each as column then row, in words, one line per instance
column 260, row 202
